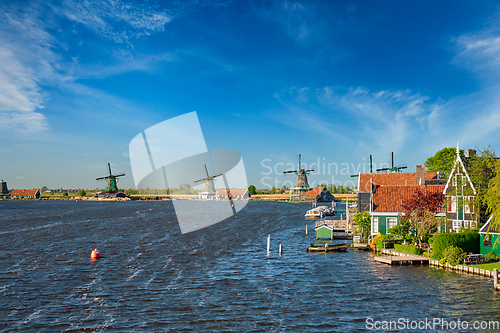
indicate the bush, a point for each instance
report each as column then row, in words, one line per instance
column 468, row 241
column 388, row 245
column 492, row 257
column 407, row 249
column 454, row 255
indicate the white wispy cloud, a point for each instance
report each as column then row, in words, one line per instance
column 380, row 119
column 135, row 20
column 31, row 57
column 26, row 62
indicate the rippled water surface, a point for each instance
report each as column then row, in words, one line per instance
column 153, row 278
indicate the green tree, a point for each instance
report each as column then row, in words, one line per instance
column 81, row 193
column 424, row 223
column 493, row 196
column 43, row 189
column 442, row 161
column 252, row 190
column 363, row 222
column 481, row 169
column 273, row 190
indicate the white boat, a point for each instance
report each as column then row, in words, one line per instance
column 318, row 212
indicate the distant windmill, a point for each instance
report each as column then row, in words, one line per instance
column 301, row 185
column 209, row 188
column 112, row 187
column 393, row 168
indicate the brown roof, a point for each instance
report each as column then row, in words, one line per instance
column 23, row 193
column 403, row 178
column 314, row 192
column 231, row 192
column 390, row 198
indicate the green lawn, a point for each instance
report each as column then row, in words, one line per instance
column 489, row 267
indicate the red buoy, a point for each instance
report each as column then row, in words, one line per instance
column 95, row 254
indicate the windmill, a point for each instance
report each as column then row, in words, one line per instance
column 208, row 191
column 111, row 187
column 393, row 168
column 301, row 185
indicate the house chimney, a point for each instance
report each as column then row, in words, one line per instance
column 420, row 176
column 470, row 153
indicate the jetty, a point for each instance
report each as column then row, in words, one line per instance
column 401, row 260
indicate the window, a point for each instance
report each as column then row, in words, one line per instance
column 457, row 224
column 391, row 222
column 374, row 225
column 453, row 204
column 487, row 241
column 454, row 180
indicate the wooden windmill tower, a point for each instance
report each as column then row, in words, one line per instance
column 301, row 185
column 111, row 189
column 208, row 191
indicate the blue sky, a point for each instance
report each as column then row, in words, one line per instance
column 333, row 80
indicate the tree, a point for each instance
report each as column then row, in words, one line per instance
column 81, row 193
column 493, row 196
column 273, row 190
column 424, row 223
column 252, row 190
column 43, row 189
column 420, row 213
column 442, row 161
column 481, row 169
column 363, row 222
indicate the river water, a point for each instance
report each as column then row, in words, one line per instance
column 218, row 279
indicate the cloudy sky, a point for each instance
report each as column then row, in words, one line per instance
column 333, row 80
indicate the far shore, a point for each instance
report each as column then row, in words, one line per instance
column 255, row 197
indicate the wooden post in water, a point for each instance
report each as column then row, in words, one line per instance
column 347, row 215
column 306, row 230
column 268, row 243
column 495, row 278
column 281, row 247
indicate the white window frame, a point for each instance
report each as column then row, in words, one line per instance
column 392, row 222
column 454, row 204
column 457, row 224
column 375, row 225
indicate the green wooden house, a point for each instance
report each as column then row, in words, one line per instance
column 324, row 231
column 489, row 237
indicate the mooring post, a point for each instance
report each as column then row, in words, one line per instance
column 268, row 243
column 307, row 233
column 495, row 278
column 281, row 247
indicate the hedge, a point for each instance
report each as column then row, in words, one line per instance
column 407, row 249
column 467, row 241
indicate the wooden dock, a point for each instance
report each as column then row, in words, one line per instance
column 400, row 260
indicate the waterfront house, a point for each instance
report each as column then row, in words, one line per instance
column 25, row 194
column 383, row 194
column 460, row 195
column 489, row 237
column 319, row 194
column 233, row 194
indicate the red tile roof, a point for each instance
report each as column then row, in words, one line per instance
column 390, row 198
column 314, row 192
column 23, row 193
column 231, row 192
column 404, row 178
